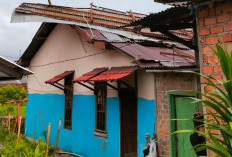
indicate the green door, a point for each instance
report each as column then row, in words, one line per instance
column 185, row 109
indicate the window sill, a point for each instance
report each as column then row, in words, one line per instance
column 100, row 133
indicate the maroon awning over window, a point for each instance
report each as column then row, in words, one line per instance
column 59, row 77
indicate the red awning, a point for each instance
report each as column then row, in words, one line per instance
column 112, row 74
column 59, row 77
column 90, row 75
column 115, row 73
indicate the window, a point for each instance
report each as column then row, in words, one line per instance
column 68, row 101
column 100, row 111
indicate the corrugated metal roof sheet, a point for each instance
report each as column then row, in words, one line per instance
column 96, row 15
column 105, row 74
column 11, row 71
column 114, row 73
column 90, row 75
column 140, row 52
column 59, row 77
column 112, row 36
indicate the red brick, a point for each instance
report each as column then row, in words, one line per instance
column 210, row 21
column 227, row 37
column 201, row 22
column 217, row 77
column 227, row 7
column 203, row 41
column 204, row 31
column 207, row 50
column 209, row 88
column 207, row 69
column 212, row 59
column 228, row 27
column 223, row 18
column 216, row 29
column 205, row 60
column 212, row 12
column 218, row 10
column 229, row 47
column 212, row 40
column 203, row 13
column 217, row 68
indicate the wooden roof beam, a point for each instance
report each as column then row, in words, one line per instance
column 132, row 15
column 178, row 39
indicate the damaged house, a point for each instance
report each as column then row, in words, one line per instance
column 108, row 83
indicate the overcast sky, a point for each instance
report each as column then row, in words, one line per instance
column 14, row 38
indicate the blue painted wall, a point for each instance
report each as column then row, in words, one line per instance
column 146, row 120
column 80, row 139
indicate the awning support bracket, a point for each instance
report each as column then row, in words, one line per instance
column 112, row 86
column 56, row 86
column 86, row 86
column 126, row 84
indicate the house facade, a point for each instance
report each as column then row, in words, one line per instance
column 80, row 137
column 110, row 87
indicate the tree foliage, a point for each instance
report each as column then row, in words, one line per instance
column 8, row 93
column 12, row 92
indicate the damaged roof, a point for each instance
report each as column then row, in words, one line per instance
column 102, row 24
column 96, row 15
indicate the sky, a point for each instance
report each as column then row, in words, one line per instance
column 15, row 37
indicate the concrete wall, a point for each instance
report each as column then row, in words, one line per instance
column 146, row 107
column 63, row 51
column 165, row 82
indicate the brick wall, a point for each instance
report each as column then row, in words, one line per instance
column 164, row 83
column 213, row 24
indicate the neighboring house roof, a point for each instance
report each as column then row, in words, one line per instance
column 24, row 80
column 130, row 43
column 11, row 71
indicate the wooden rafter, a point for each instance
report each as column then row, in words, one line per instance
column 178, row 39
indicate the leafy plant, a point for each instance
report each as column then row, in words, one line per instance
column 12, row 92
column 25, row 147
column 219, row 104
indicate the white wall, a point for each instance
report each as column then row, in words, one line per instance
column 146, row 85
column 64, row 44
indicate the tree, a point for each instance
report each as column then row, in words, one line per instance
column 9, row 93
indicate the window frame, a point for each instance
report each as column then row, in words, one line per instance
column 68, row 87
column 100, row 87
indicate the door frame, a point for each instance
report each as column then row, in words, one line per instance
column 172, row 114
column 120, row 131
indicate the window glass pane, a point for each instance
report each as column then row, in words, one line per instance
column 101, row 105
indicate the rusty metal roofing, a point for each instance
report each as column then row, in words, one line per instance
column 59, row 77
column 90, row 75
column 96, row 15
column 140, row 52
column 114, row 73
column 93, row 16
